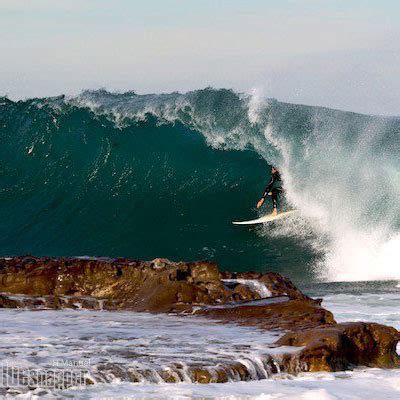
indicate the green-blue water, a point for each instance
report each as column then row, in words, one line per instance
column 150, row 176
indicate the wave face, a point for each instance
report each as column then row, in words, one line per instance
column 147, row 176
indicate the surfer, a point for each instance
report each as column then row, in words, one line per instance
column 273, row 189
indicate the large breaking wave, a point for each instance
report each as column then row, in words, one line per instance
column 146, row 176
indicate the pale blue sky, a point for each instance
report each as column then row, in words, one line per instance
column 343, row 54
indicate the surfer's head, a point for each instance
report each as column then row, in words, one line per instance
column 274, row 170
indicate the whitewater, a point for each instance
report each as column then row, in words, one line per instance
column 139, row 167
column 125, row 352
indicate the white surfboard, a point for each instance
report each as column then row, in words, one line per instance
column 266, row 218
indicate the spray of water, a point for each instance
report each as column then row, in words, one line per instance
column 344, row 179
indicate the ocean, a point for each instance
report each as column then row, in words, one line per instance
column 164, row 175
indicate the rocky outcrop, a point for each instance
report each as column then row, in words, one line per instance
column 266, row 301
column 156, row 286
column 277, row 284
column 287, row 315
column 341, row 346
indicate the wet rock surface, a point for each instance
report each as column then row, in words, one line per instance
column 341, row 346
column 155, row 286
column 266, row 301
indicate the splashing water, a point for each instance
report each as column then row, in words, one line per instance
column 343, row 176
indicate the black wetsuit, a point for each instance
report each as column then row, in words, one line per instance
column 274, row 187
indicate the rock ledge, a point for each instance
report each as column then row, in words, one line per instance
column 266, row 301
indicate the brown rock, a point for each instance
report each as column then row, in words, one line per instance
column 164, row 286
column 159, row 285
column 6, row 302
column 204, row 272
column 287, row 315
column 340, row 346
column 244, row 293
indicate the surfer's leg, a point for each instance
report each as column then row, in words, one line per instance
column 274, row 197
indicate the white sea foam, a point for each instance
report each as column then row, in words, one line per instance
column 346, row 186
column 371, row 307
column 252, row 284
column 360, row 384
column 121, row 344
column 132, row 340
